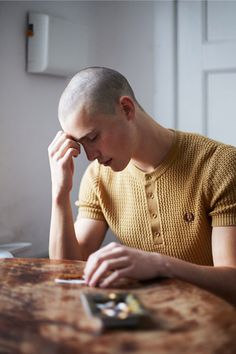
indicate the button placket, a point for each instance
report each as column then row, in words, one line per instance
column 153, row 210
column 157, row 239
column 148, row 178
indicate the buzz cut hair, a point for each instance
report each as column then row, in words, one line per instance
column 97, row 89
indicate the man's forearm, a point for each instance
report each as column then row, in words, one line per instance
column 62, row 241
column 219, row 280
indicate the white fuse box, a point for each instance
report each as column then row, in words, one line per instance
column 52, row 45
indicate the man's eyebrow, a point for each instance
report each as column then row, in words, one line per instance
column 85, row 136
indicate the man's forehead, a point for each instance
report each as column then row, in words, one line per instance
column 81, row 124
column 79, row 129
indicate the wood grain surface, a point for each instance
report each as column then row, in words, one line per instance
column 39, row 316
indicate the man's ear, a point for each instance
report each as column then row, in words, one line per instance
column 127, row 105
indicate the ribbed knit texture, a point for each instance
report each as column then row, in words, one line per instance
column 173, row 209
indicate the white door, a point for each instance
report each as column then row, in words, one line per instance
column 206, row 62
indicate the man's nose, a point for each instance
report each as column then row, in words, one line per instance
column 91, row 154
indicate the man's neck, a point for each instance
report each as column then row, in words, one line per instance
column 153, row 144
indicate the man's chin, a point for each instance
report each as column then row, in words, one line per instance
column 118, row 167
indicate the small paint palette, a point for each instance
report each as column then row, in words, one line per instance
column 114, row 310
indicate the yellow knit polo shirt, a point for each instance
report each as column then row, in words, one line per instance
column 171, row 210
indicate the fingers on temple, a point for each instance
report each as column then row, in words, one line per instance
column 61, row 144
column 56, row 142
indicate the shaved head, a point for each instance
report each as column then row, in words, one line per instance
column 96, row 89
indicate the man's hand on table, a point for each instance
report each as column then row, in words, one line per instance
column 116, row 261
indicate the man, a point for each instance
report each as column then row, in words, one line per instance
column 170, row 197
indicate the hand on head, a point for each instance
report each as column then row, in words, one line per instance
column 61, row 152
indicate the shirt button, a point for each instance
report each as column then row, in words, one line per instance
column 148, row 177
column 154, row 216
column 150, row 195
column 157, row 234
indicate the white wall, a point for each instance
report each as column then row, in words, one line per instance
column 124, row 40
column 165, row 67
column 28, row 116
column 120, row 35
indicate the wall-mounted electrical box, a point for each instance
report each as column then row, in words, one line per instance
column 52, row 45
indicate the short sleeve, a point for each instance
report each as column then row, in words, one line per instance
column 88, row 202
column 221, row 186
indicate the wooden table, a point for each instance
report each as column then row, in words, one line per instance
column 42, row 317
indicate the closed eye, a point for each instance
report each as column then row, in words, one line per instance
column 93, row 138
